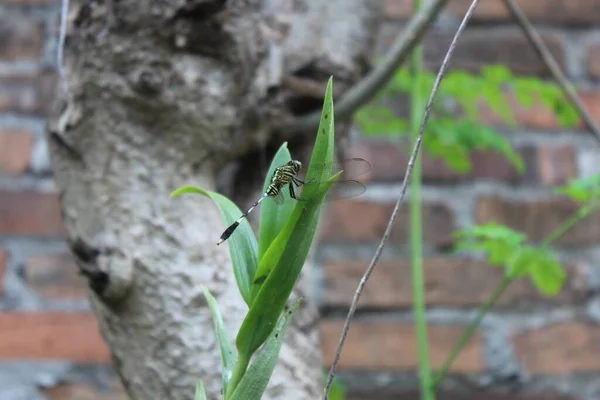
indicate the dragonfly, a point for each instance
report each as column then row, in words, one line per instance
column 287, row 175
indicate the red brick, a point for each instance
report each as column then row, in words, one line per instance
column 540, row 117
column 391, row 345
column 389, row 161
column 17, row 93
column 538, row 217
column 3, row 260
column 571, row 12
column 398, row 9
column 483, row 46
column 22, row 37
column 561, row 348
column 45, row 90
column 30, row 92
column 15, row 151
column 545, row 165
column 445, row 282
column 55, row 276
column 30, row 213
column 365, row 221
column 29, row 2
column 591, row 101
column 52, row 335
column 84, row 391
column 556, row 166
column 456, row 393
column 479, row 47
column 593, row 60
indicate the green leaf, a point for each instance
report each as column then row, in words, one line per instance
column 227, row 352
column 545, row 271
column 521, row 262
column 582, row 190
column 380, row 120
column 548, row 276
column 498, row 241
column 255, row 380
column 200, row 393
column 524, row 97
column 497, row 101
column 242, row 244
column 272, row 216
column 282, row 263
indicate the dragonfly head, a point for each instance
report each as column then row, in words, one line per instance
column 297, row 165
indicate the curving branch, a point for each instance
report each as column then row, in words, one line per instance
column 368, row 87
column 545, row 55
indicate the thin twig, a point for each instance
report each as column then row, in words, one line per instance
column 407, row 176
column 545, row 55
column 62, row 34
column 366, row 89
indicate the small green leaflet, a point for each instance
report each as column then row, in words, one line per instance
column 228, row 355
column 582, row 190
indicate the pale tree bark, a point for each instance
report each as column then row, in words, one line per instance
column 163, row 94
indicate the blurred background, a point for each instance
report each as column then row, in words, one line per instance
column 530, row 347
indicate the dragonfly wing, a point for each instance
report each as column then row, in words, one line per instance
column 352, row 167
column 345, row 190
column 279, row 198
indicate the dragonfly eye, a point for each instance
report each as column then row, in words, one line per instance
column 296, row 164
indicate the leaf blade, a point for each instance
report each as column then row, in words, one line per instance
column 200, row 393
column 255, row 380
column 282, row 263
column 228, row 357
column 243, row 247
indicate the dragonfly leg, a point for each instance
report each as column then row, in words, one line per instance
column 292, row 192
column 297, row 182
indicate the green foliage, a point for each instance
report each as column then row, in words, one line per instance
column 337, row 391
column 228, row 357
column 255, row 381
column 582, row 190
column 504, row 248
column 266, row 271
column 200, row 393
column 280, row 267
column 498, row 241
column 542, row 267
column 454, row 129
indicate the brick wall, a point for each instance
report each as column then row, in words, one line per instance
column 529, row 348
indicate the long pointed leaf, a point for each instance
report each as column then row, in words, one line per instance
column 242, row 244
column 282, row 263
column 228, row 356
column 200, row 393
column 255, row 380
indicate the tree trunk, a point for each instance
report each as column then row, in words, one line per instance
column 161, row 94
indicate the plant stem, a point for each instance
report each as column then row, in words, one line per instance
column 471, row 329
column 563, row 228
column 238, row 373
column 416, row 235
